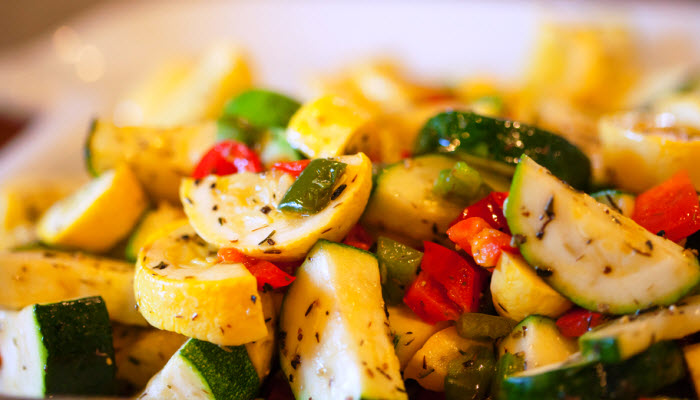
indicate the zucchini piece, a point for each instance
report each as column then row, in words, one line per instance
column 312, row 190
column 331, row 126
column 517, row 291
column 152, row 221
column 507, row 365
column 643, row 374
column 469, row 376
column 641, row 150
column 333, row 316
column 44, row 276
column 620, row 201
column 596, row 257
column 160, row 157
column 499, row 144
column 98, row 215
column 691, row 353
column 240, row 211
column 538, row 341
column 429, row 366
column 631, row 334
column 140, row 353
column 398, row 267
column 403, row 200
column 261, row 108
column 409, row 332
column 478, row 326
column 57, row 348
column 180, row 286
column 202, row 370
column 262, row 351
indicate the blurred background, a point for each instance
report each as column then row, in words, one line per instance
column 63, row 63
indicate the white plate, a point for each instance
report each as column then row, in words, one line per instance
column 290, row 41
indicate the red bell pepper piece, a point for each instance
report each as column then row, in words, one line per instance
column 484, row 243
column 578, row 321
column 427, row 298
column 291, row 167
column 266, row 273
column 461, row 279
column 490, row 209
column 358, row 237
column 226, row 158
column 671, row 207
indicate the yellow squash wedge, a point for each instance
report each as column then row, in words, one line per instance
column 180, row 286
column 240, row 211
column 98, row 215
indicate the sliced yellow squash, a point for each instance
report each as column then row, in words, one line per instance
column 261, row 351
column 332, row 126
column 517, row 291
column 98, row 215
column 159, row 157
column 181, row 287
column 152, row 222
column 31, row 277
column 643, row 150
column 240, row 211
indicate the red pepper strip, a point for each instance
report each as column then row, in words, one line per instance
column 479, row 240
column 226, row 158
column 578, row 321
column 358, row 237
column 490, row 208
column 427, row 298
column 461, row 278
column 293, row 168
column 266, row 273
column 671, row 207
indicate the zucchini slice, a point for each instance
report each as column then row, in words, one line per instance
column 202, row 370
column 644, row 374
column 58, row 348
column 44, row 276
column 499, row 144
column 517, row 291
column 98, row 215
column 181, row 287
column 429, row 366
column 409, row 332
column 152, row 221
column 160, row 157
column 404, row 202
column 331, row 126
column 631, row 334
column 590, row 253
column 619, row 201
column 334, row 335
column 240, row 211
column 538, row 341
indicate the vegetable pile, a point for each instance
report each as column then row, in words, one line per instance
column 386, row 240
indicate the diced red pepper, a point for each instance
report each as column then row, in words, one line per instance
column 226, row 158
column 461, row 279
column 266, row 273
column 427, row 298
column 490, row 208
column 484, row 243
column 358, row 237
column 291, row 167
column 578, row 321
column 671, row 207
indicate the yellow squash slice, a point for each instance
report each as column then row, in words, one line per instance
column 42, row 276
column 240, row 211
column 180, row 286
column 98, row 215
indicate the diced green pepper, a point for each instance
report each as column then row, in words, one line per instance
column 461, row 181
column 469, row 375
column 314, row 188
column 398, row 266
column 232, row 128
column 478, row 326
column 262, row 108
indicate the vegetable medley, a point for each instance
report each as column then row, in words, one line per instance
column 385, row 239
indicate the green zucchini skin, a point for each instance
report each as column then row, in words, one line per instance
column 498, row 141
column 660, row 365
